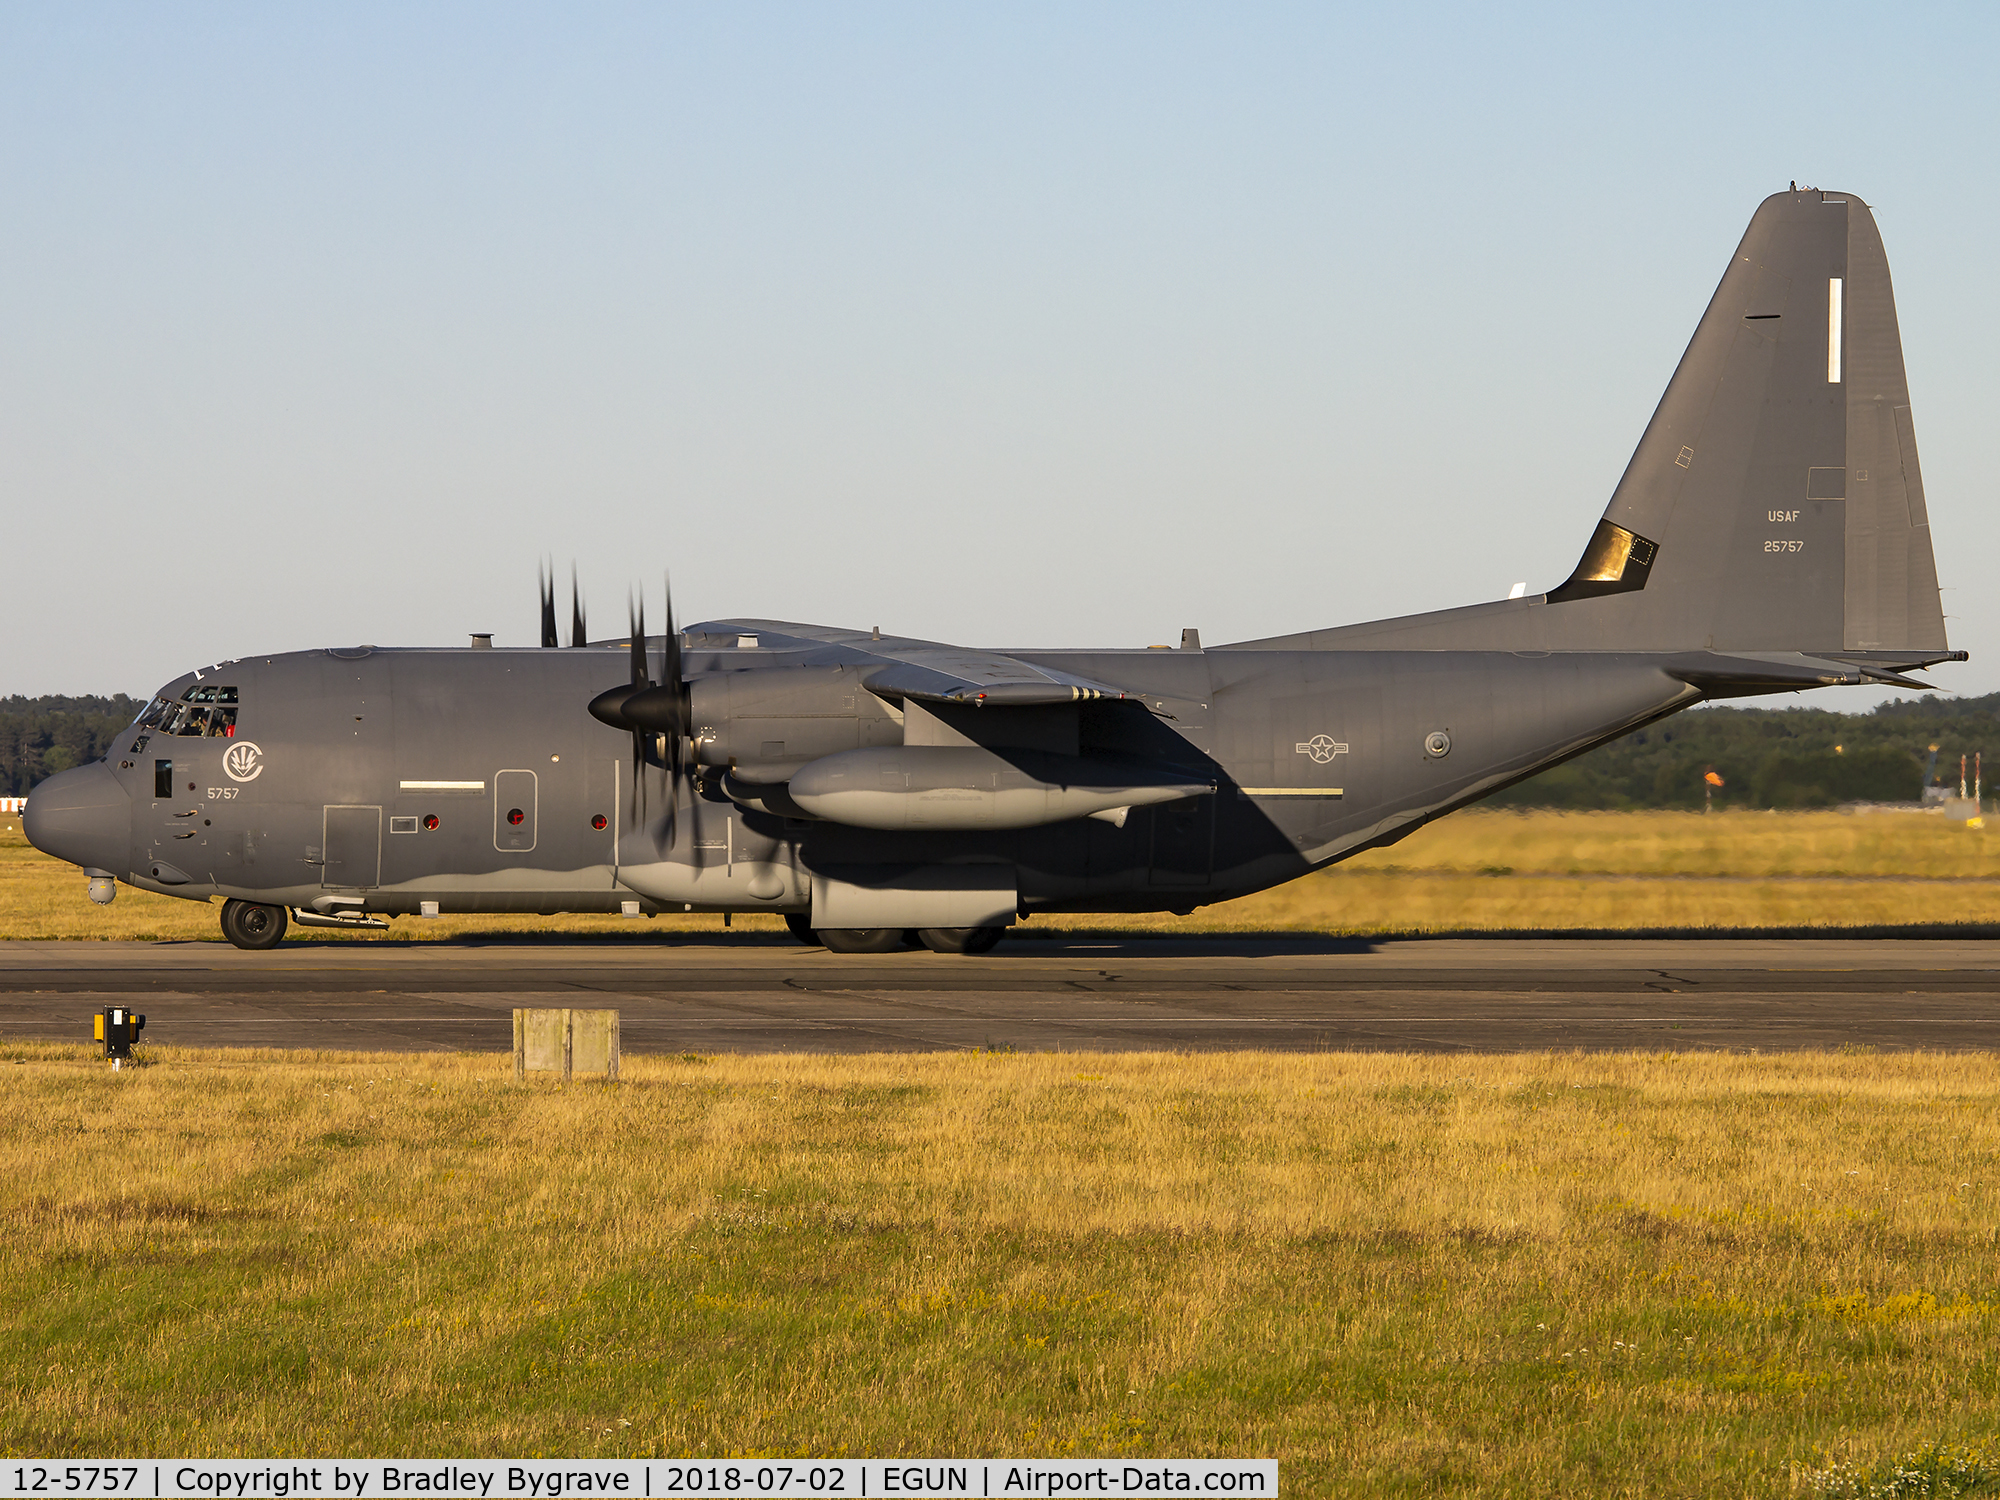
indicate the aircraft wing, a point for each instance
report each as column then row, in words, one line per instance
column 899, row 667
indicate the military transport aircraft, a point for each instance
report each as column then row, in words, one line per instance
column 1768, row 535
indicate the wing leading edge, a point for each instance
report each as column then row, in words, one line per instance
column 901, row 667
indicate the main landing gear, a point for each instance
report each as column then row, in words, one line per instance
column 861, row 939
column 889, row 939
column 248, row 925
column 960, row 939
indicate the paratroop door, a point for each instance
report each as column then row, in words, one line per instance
column 515, row 794
column 353, row 851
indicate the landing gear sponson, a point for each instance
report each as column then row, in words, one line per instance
column 251, row 925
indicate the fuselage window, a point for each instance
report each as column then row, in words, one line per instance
column 222, row 723
column 163, row 778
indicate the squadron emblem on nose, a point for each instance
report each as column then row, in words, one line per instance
column 1321, row 747
column 243, row 761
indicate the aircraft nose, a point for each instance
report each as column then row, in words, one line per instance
column 82, row 816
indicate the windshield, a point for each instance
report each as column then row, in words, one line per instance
column 204, row 710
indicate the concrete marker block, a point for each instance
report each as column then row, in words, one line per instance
column 593, row 1043
column 566, row 1042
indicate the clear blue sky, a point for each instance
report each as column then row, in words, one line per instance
column 1030, row 325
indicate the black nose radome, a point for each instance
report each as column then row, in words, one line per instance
column 82, row 816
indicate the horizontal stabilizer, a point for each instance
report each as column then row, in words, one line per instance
column 1722, row 676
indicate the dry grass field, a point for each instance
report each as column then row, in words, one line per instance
column 1472, row 872
column 1689, row 1274
column 1624, row 1275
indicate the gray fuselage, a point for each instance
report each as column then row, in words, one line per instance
column 384, row 779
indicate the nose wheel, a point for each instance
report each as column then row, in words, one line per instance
column 249, row 925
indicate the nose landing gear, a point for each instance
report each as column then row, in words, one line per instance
column 248, row 925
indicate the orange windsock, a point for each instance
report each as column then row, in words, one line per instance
column 1712, row 779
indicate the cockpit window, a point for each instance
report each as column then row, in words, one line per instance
column 204, row 710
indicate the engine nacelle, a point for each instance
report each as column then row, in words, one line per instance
column 767, row 723
column 946, row 787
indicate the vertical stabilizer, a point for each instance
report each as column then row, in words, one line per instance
column 1774, row 502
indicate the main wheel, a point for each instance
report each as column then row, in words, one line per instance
column 862, row 939
column 248, row 925
column 800, row 925
column 961, row 939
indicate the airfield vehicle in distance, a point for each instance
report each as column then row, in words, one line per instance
column 1769, row 535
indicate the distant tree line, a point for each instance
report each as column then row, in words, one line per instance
column 1784, row 757
column 1774, row 757
column 41, row 736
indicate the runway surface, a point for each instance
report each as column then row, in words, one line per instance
column 755, row 995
